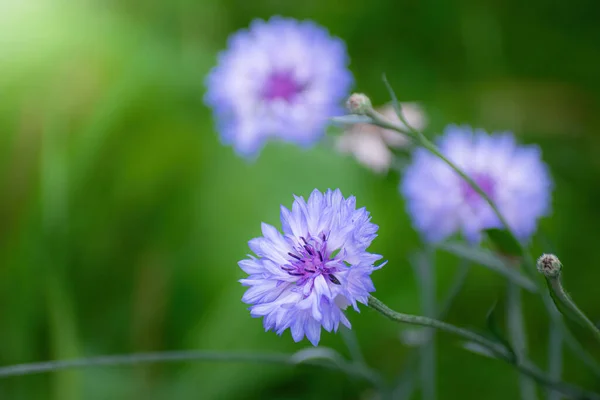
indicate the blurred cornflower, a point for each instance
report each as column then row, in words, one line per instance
column 371, row 145
column 305, row 278
column 441, row 203
column 281, row 79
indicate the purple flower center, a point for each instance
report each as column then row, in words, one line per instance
column 310, row 259
column 485, row 182
column 281, row 85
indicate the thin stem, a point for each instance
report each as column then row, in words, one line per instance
column 54, row 191
column 380, row 120
column 433, row 149
column 558, row 322
column 572, row 342
column 555, row 284
column 358, row 359
column 496, row 348
column 352, row 344
column 499, row 350
column 516, row 329
column 353, row 369
column 528, row 262
column 405, row 385
column 555, row 344
column 457, row 284
column 556, row 341
column 425, row 272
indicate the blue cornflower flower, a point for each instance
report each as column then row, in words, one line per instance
column 281, row 79
column 305, row 278
column 441, row 203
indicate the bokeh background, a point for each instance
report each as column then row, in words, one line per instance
column 122, row 217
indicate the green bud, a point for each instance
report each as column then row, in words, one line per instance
column 359, row 104
column 549, row 265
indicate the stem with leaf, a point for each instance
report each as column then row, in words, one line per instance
column 404, row 388
column 528, row 262
column 555, row 346
column 550, row 266
column 555, row 284
column 497, row 349
column 425, row 272
column 326, row 358
column 516, row 329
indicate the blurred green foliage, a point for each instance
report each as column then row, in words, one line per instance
column 122, row 217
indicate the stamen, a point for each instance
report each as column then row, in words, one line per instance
column 320, row 256
column 295, row 256
column 333, row 279
column 309, row 250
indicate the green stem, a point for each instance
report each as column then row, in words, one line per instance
column 528, row 262
column 425, row 272
column 349, row 368
column 516, row 328
column 404, row 388
column 555, row 345
column 555, row 284
column 54, row 245
column 496, row 348
column 434, row 150
column 499, row 350
column 380, row 120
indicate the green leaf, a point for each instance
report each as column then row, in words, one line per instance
column 392, row 94
column 318, row 353
column 478, row 349
column 505, row 242
column 494, row 329
column 489, row 260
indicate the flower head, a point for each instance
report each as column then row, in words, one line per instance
column 282, row 79
column 304, row 278
column 441, row 203
column 372, row 145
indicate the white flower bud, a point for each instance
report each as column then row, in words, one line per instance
column 359, row 104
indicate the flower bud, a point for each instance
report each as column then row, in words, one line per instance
column 549, row 265
column 359, row 104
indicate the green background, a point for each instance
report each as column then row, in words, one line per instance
column 122, row 218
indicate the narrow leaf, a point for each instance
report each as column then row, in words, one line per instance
column 489, row 260
column 395, row 102
column 317, row 353
column 478, row 349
